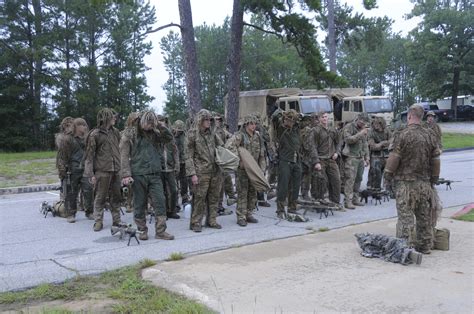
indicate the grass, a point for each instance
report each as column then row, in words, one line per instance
column 125, row 286
column 323, row 229
column 457, row 140
column 467, row 217
column 177, row 256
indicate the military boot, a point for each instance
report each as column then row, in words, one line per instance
column 71, row 219
column 356, row 201
column 116, row 220
column 348, row 204
column 141, row 226
column 160, row 227
column 251, row 219
column 98, row 225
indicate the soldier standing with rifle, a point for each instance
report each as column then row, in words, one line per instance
column 415, row 164
column 142, row 154
column 71, row 169
column 205, row 175
column 102, row 166
column 379, row 139
column 251, row 140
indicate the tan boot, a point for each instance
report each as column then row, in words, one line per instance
column 356, row 200
column 160, row 227
column 348, row 204
column 141, row 226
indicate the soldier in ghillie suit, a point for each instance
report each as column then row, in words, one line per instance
column 205, row 175
column 102, row 166
column 415, row 164
column 289, row 165
column 325, row 143
column 65, row 129
column 227, row 187
column 170, row 166
column 307, row 172
column 251, row 140
column 142, row 154
column 269, row 154
column 180, row 138
column 433, row 126
column 356, row 157
column 132, row 120
column 379, row 140
column 71, row 168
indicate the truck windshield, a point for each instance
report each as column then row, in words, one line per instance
column 378, row 105
column 310, row 105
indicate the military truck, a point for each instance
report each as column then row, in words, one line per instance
column 308, row 105
column 380, row 106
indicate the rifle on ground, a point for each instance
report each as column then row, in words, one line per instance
column 46, row 208
column 125, row 229
column 319, row 206
column 447, row 182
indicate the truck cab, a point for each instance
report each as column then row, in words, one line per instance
column 308, row 105
column 380, row 106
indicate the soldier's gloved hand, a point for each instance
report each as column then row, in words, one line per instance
column 434, row 180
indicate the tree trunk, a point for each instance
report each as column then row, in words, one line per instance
column 193, row 83
column 37, row 76
column 233, row 65
column 454, row 97
column 331, row 37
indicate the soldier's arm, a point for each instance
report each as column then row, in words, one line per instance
column 91, row 146
column 233, row 143
column 125, row 147
column 261, row 158
column 189, row 148
column 338, row 142
column 175, row 156
column 63, row 154
column 310, row 145
column 350, row 138
column 164, row 135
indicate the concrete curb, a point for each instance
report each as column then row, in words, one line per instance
column 29, row 189
column 457, row 149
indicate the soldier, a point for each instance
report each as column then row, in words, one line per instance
column 251, row 140
column 356, row 157
column 431, row 124
column 326, row 148
column 269, row 154
column 71, row 168
column 142, row 154
column 102, row 166
column 306, row 163
column 415, row 164
column 227, row 187
column 379, row 139
column 132, row 120
column 179, row 138
column 289, row 164
column 205, row 175
column 170, row 166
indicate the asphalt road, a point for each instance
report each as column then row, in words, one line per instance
column 37, row 250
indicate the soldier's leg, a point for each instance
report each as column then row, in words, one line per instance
column 406, row 220
column 158, row 201
column 101, row 192
column 173, row 194
column 140, row 202
column 242, row 192
column 283, row 185
column 424, row 220
column 320, row 182
column 87, row 197
column 71, row 197
column 221, row 193
column 213, row 198
column 295, row 186
column 183, row 183
column 359, row 172
column 251, row 202
column 115, row 198
column 377, row 172
column 305, row 181
column 229, row 186
column 199, row 202
column 349, row 175
column 334, row 181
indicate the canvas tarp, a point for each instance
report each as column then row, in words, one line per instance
column 254, row 172
column 226, row 159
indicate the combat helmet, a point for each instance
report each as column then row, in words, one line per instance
column 178, row 126
column 249, row 119
column 291, row 114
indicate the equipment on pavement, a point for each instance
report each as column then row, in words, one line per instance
column 377, row 194
column 322, row 207
column 447, row 182
column 125, row 229
column 46, row 208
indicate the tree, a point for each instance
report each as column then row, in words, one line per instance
column 190, row 57
column 445, row 36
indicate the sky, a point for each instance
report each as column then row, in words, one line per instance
column 214, row 12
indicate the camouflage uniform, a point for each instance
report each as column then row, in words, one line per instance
column 70, row 166
column 434, row 127
column 180, row 138
column 379, row 139
column 103, row 162
column 325, row 142
column 289, row 164
column 141, row 152
column 247, row 195
column 170, row 165
column 200, row 147
column 270, row 155
column 306, row 165
column 355, row 152
column 414, row 162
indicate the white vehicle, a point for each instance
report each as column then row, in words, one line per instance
column 308, row 105
column 380, row 106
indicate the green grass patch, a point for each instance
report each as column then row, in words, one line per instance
column 125, row 285
column 467, row 217
column 323, row 229
column 14, row 157
column 457, row 140
column 176, row 256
